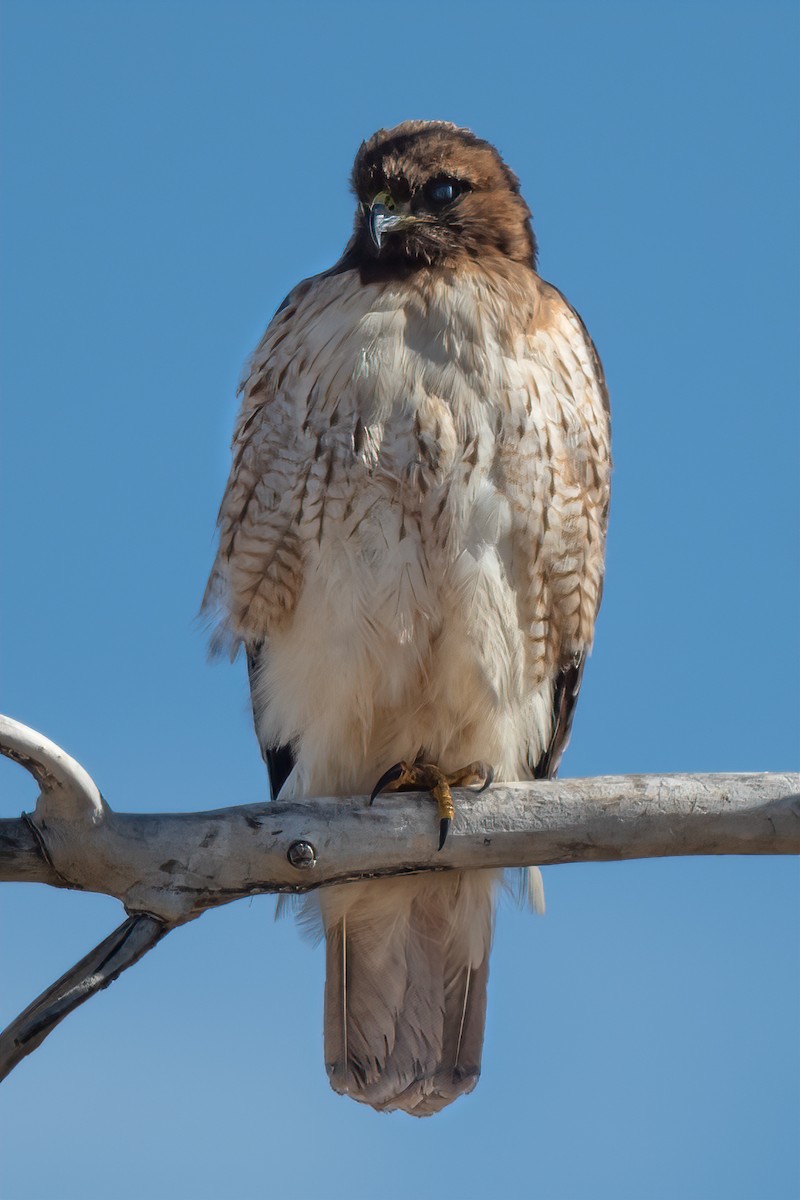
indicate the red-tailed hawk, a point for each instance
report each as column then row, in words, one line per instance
column 411, row 551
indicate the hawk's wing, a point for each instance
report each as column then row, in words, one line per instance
column 556, row 475
column 254, row 573
column 280, row 760
column 565, row 697
column 257, row 570
column 270, row 494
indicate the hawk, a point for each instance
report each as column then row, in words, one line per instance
column 411, row 549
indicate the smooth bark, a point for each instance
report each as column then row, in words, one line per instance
column 168, row 868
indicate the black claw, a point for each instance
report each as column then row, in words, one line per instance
column 444, row 828
column 388, row 777
column 487, row 783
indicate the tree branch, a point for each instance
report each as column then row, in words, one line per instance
column 168, row 868
column 67, row 790
column 120, row 950
column 176, row 865
column 22, row 856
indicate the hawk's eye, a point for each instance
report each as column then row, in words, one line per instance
column 442, row 191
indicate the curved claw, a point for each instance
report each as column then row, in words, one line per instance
column 391, row 776
column 487, row 783
column 444, row 829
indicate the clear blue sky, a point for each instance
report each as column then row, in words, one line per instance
column 169, row 171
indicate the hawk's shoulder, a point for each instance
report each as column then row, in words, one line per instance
column 556, row 314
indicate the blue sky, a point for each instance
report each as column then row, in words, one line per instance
column 169, row 170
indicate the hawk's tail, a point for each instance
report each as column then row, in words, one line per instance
column 405, row 988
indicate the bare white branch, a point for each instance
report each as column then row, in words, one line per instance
column 67, row 791
column 168, row 868
column 120, row 950
column 176, row 865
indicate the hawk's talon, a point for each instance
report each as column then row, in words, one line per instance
column 394, row 774
column 487, row 783
column 422, row 776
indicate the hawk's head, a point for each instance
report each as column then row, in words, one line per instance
column 432, row 194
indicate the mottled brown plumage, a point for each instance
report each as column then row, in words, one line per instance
column 411, row 550
column 490, row 219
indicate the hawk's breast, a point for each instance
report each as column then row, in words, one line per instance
column 399, row 460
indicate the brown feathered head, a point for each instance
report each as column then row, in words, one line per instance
column 430, row 194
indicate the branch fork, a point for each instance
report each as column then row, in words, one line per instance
column 168, row 868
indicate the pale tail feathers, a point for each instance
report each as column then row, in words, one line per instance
column 527, row 887
column 405, row 991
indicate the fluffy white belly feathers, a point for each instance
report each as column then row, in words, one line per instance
column 407, row 596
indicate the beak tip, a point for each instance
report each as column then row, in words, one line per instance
column 376, row 217
column 381, row 220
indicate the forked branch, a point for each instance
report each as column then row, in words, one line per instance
column 121, row 949
column 167, row 868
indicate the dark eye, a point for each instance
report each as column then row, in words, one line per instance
column 440, row 192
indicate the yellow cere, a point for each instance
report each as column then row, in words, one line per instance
column 385, row 199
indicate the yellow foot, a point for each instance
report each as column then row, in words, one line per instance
column 427, row 777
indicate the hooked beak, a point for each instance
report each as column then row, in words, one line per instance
column 382, row 221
